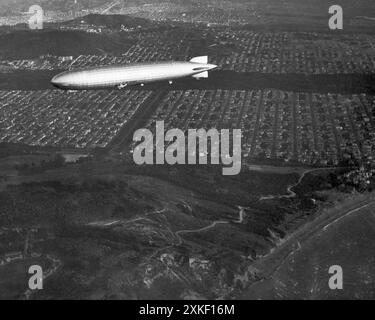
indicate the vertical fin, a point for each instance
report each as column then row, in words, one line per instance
column 202, row 60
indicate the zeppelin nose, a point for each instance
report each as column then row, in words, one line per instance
column 58, row 81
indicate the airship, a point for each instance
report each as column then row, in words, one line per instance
column 132, row 74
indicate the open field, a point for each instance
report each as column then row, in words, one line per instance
column 142, row 228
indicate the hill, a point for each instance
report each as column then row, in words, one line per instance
column 113, row 21
column 32, row 44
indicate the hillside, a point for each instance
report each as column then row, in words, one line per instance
column 125, row 226
column 28, row 45
column 114, row 21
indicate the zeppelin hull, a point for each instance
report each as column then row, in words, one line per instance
column 121, row 76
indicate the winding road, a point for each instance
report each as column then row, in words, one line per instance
column 179, row 234
column 291, row 194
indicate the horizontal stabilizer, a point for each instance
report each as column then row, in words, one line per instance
column 203, row 60
column 201, row 75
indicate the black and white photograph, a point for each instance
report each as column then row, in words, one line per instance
column 199, row 152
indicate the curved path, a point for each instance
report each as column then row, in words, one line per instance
column 240, row 220
column 291, row 194
column 179, row 234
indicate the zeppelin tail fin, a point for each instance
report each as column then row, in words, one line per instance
column 203, row 60
column 202, row 75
